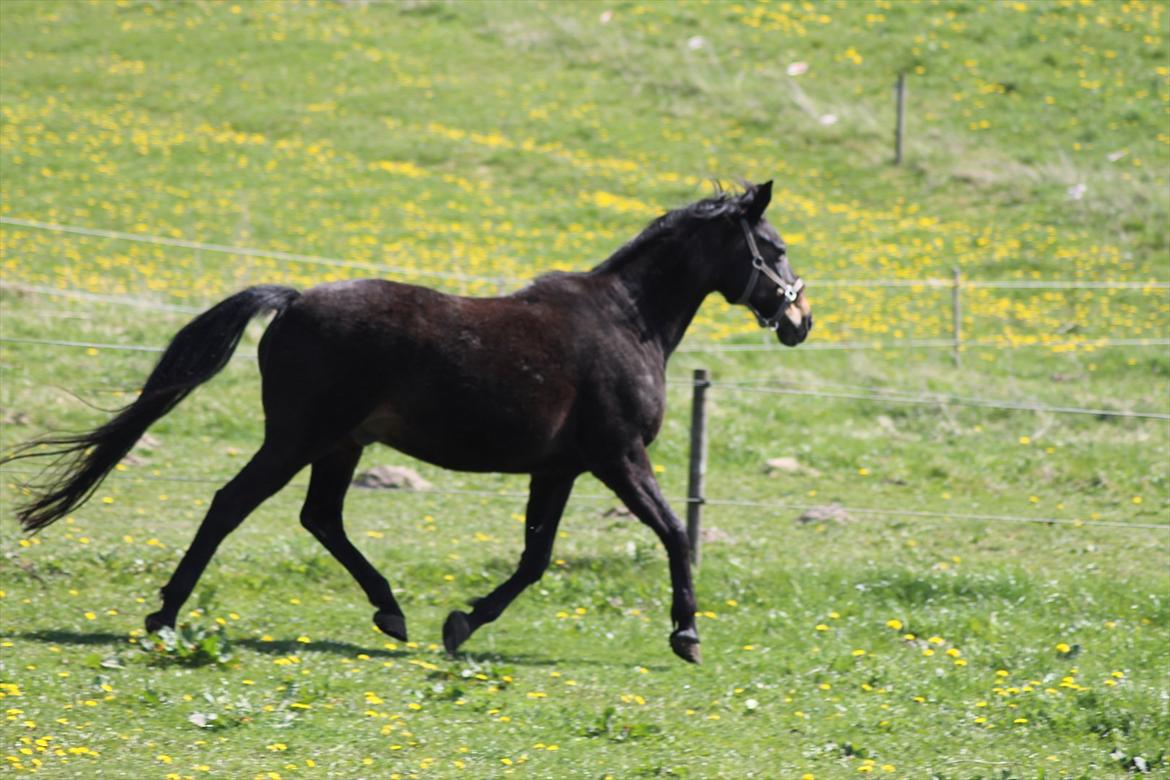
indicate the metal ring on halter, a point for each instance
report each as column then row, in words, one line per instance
column 791, row 291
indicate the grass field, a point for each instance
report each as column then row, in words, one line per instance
column 1005, row 615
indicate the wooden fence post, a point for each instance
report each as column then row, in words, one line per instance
column 900, row 128
column 956, row 314
column 698, row 468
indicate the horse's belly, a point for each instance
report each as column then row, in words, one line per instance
column 468, row 438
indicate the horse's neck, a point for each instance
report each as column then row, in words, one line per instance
column 666, row 283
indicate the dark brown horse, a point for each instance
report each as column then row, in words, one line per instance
column 564, row 377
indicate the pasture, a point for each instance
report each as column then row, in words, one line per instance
column 993, row 600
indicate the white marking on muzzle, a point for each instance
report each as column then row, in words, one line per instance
column 794, row 315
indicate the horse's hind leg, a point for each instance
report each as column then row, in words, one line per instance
column 321, row 515
column 269, row 470
column 546, row 502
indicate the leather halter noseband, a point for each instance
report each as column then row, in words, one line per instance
column 788, row 291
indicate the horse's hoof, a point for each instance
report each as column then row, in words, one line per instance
column 685, row 644
column 156, row 622
column 391, row 624
column 456, row 629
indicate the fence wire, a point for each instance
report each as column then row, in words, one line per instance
column 732, row 348
column 964, row 345
column 866, row 394
column 933, row 399
column 144, row 238
column 271, row 254
column 117, row 300
column 770, row 506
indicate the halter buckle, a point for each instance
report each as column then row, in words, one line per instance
column 792, row 290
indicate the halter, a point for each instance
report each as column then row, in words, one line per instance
column 788, row 291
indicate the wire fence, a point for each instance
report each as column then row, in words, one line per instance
column 1003, row 284
column 732, row 348
column 777, row 507
column 91, row 297
column 852, row 392
column 81, row 344
column 933, row 399
column 985, row 343
column 291, row 257
column 764, row 386
column 955, row 343
column 119, row 235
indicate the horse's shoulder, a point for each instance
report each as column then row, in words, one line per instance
column 557, row 288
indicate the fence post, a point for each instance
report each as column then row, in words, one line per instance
column 900, row 128
column 956, row 313
column 698, row 468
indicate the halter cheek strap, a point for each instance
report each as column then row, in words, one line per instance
column 788, row 291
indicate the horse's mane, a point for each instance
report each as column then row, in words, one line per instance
column 720, row 204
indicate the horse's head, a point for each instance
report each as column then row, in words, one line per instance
column 759, row 275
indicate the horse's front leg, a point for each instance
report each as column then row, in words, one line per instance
column 546, row 502
column 632, row 479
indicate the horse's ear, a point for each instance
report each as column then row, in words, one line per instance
column 756, row 201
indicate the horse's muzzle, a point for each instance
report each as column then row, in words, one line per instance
column 793, row 326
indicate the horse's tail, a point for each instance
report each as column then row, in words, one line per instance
column 195, row 355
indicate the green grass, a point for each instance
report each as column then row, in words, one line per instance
column 502, row 140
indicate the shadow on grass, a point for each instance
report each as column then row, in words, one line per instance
column 283, row 647
column 73, row 638
column 276, row 647
column 489, row 658
column 292, row 647
column 530, row 659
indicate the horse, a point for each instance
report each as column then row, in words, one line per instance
column 563, row 377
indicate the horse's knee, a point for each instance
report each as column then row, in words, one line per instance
column 531, row 570
column 315, row 522
column 673, row 534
